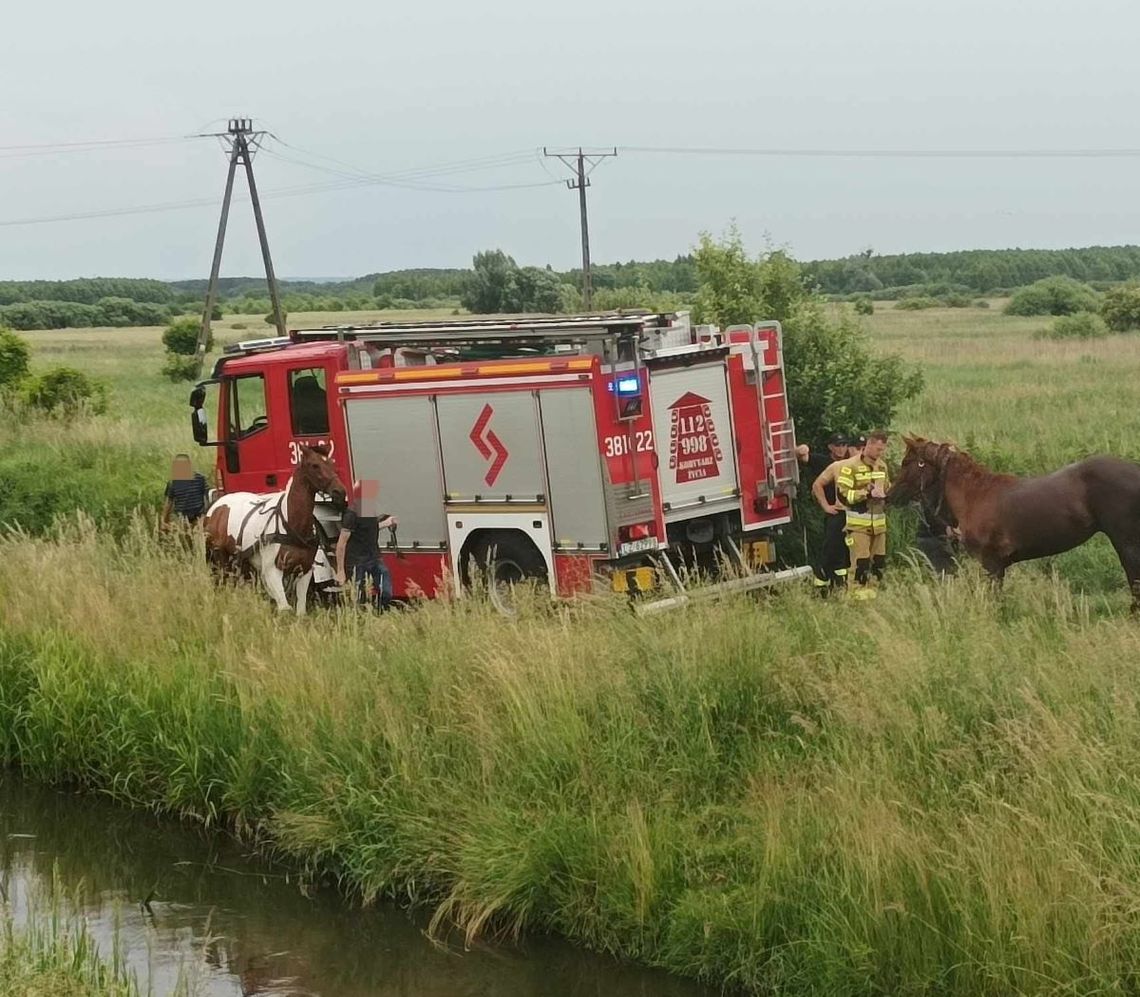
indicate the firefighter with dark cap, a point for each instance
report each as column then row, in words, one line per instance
column 830, row 568
column 862, row 484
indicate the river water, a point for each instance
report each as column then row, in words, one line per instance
column 236, row 925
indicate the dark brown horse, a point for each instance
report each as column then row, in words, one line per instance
column 1004, row 519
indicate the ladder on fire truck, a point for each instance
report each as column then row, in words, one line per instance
column 640, row 331
column 780, row 427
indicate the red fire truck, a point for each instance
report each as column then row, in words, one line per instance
column 621, row 449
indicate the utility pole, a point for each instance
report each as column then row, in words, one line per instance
column 577, row 162
column 243, row 142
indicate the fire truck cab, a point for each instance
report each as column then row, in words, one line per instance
column 626, row 449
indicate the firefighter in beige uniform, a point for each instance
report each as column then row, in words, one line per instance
column 861, row 484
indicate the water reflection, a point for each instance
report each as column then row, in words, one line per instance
column 190, row 902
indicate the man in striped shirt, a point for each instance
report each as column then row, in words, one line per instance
column 185, row 493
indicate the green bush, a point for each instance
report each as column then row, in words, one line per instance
column 1053, row 296
column 181, row 337
column 917, row 304
column 982, row 303
column 1083, row 325
column 120, row 312
column 619, row 298
column 65, row 391
column 955, row 300
column 864, row 305
column 1121, row 307
column 14, row 355
column 103, row 480
column 834, row 376
column 180, row 368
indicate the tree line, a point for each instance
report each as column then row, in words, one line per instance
column 495, row 282
column 977, row 271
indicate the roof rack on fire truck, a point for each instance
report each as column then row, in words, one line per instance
column 522, row 330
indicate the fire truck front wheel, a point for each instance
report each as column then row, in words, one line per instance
column 503, row 561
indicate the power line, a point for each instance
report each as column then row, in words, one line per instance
column 808, row 153
column 62, row 148
column 412, row 178
column 348, row 181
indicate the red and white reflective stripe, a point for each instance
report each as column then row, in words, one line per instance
column 472, row 386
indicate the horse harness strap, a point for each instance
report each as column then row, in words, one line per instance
column 283, row 532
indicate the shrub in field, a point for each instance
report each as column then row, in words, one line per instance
column 834, row 377
column 1121, row 308
column 13, row 358
column 119, row 312
column 180, row 368
column 181, row 337
column 981, row 303
column 1053, row 296
column 615, row 298
column 864, row 305
column 1083, row 325
column 917, row 304
column 65, row 391
column 955, row 300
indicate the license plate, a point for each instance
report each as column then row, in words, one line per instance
column 635, row 546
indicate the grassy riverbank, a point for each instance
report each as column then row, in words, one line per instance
column 52, row 954
column 932, row 794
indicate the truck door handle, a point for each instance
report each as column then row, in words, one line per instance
column 271, row 479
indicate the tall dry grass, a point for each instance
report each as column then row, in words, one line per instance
column 928, row 794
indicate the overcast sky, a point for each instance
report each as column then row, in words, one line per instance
column 390, row 87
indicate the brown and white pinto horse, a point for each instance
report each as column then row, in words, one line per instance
column 1004, row 519
column 275, row 534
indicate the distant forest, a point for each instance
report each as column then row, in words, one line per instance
column 658, row 283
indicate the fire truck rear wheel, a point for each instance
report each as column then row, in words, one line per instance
column 505, row 561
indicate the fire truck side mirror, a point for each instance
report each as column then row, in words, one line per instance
column 198, row 427
column 199, row 424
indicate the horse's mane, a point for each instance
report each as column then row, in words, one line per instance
column 946, row 454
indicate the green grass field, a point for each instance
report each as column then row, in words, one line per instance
column 932, row 794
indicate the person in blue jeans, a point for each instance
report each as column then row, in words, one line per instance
column 358, row 547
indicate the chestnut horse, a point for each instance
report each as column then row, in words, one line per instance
column 1004, row 519
column 275, row 534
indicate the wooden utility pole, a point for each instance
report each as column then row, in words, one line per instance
column 243, row 143
column 577, row 163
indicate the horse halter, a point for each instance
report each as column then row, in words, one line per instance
column 940, row 508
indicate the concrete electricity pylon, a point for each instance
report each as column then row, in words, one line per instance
column 242, row 142
column 578, row 162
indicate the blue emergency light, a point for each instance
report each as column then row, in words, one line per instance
column 628, row 386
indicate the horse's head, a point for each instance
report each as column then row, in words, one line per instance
column 921, row 472
column 318, row 471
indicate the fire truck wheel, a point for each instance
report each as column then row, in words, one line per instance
column 504, row 561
